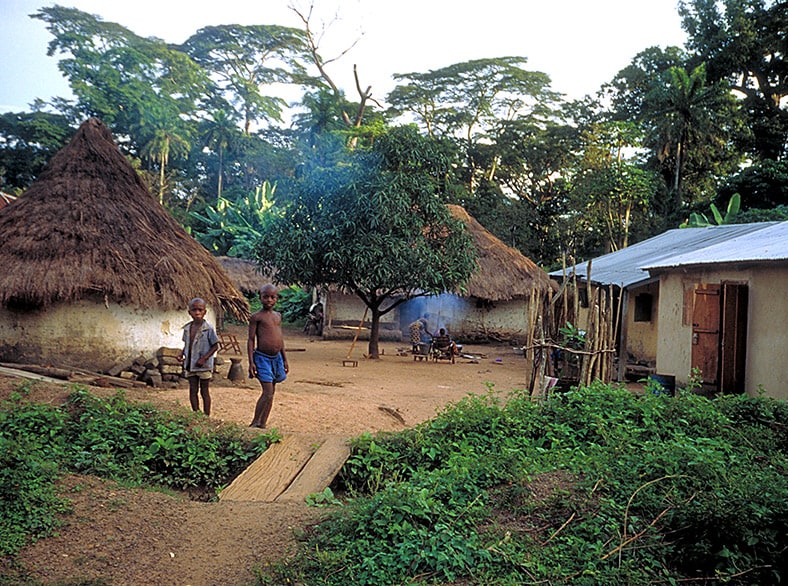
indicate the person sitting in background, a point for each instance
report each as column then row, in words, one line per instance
column 444, row 343
column 314, row 322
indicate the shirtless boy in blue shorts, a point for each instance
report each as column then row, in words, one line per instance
column 266, row 349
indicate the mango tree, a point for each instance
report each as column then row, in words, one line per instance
column 373, row 224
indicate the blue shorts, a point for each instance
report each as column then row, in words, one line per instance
column 270, row 369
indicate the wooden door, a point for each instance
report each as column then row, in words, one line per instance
column 706, row 334
column 734, row 337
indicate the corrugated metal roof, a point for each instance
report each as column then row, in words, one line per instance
column 627, row 266
column 768, row 244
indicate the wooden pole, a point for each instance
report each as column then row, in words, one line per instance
column 576, row 301
column 358, row 331
column 611, row 335
column 564, row 301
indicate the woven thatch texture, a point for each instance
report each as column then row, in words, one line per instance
column 246, row 275
column 504, row 272
column 89, row 227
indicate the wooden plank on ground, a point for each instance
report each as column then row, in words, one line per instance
column 268, row 476
column 321, row 469
column 30, row 375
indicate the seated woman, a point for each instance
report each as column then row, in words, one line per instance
column 444, row 343
column 314, row 322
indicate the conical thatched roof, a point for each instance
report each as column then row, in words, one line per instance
column 88, row 227
column 504, row 272
column 246, row 275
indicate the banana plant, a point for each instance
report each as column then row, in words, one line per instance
column 699, row 220
column 233, row 227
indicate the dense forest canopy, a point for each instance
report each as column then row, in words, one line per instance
column 208, row 126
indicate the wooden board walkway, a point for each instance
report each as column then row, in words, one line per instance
column 290, row 470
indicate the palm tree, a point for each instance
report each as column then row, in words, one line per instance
column 219, row 134
column 165, row 136
column 683, row 109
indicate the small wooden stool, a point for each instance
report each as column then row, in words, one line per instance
column 352, row 363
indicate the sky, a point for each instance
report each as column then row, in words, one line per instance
column 579, row 44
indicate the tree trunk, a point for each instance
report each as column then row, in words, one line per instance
column 161, row 183
column 219, row 182
column 164, row 158
column 627, row 215
column 677, row 176
column 373, row 350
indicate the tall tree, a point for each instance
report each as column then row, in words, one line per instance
column 248, row 61
column 374, row 226
column 471, row 101
column 219, row 133
column 359, row 110
column 27, row 141
column 117, row 75
column 691, row 121
column 164, row 136
column 628, row 90
column 611, row 190
column 744, row 43
column 532, row 162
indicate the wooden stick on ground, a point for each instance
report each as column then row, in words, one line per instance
column 358, row 331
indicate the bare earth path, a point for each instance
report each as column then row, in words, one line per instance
column 136, row 537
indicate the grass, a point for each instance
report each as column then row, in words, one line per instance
column 132, row 443
column 595, row 486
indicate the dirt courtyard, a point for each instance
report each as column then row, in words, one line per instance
column 121, row 536
column 321, row 395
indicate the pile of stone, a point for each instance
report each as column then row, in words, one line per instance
column 162, row 370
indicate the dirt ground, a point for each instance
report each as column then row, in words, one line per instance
column 123, row 536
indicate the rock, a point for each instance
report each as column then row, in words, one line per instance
column 119, row 367
column 168, row 352
column 152, row 377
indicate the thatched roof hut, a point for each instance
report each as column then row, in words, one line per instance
column 246, row 275
column 504, row 272
column 88, row 226
column 501, row 301
column 93, row 267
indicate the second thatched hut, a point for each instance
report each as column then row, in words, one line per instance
column 501, row 302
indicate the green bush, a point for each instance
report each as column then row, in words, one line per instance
column 294, row 303
column 594, row 486
column 113, row 438
column 108, row 437
column 28, row 502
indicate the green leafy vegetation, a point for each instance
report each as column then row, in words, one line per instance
column 676, row 131
column 699, row 220
column 108, row 437
column 293, row 304
column 595, row 486
column 375, row 227
column 232, row 227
